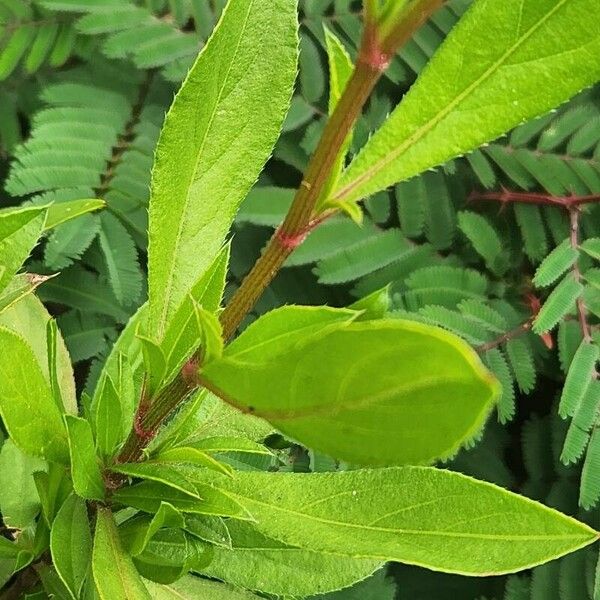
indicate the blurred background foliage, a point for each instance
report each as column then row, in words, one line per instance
column 84, row 86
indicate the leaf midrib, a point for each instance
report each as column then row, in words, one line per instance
column 330, row 409
column 416, row 532
column 423, row 131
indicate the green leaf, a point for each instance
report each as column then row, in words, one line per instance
column 53, row 585
column 589, row 492
column 61, row 212
column 212, row 333
column 137, row 532
column 229, row 444
column 20, row 230
column 114, row 572
column 185, row 334
column 69, row 241
column 522, row 363
column 19, row 500
column 287, row 326
column 340, row 71
column 193, row 456
column 19, row 287
column 52, row 351
column 484, row 80
column 371, row 392
column 266, row 206
column 71, row 544
column 204, row 416
column 148, row 496
column 85, row 470
column 170, row 554
column 558, row 304
column 53, row 488
column 217, row 136
column 108, row 418
column 210, row 529
column 592, row 247
column 177, row 476
column 375, row 306
column 155, row 365
column 428, row 517
column 28, row 410
column 259, row 563
column 563, row 257
column 120, row 254
column 485, row 239
column 29, row 319
column 497, row 362
column 194, row 588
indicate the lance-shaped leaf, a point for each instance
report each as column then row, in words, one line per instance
column 340, row 71
column 505, row 62
column 61, row 212
column 29, row 319
column 137, row 532
column 370, row 392
column 20, row 230
column 28, row 409
column 113, row 413
column 19, row 500
column 172, row 553
column 71, row 544
column 85, row 470
column 19, row 287
column 114, row 572
column 185, row 332
column 217, row 136
column 256, row 562
column 149, row 495
column 193, row 588
column 429, row 517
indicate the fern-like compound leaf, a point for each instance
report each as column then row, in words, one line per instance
column 498, row 364
column 558, row 304
column 554, row 266
column 579, row 378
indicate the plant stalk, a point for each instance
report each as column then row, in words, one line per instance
column 373, row 59
column 510, row 197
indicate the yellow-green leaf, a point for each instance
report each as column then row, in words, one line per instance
column 505, row 62
column 424, row 516
column 217, row 136
column 370, row 392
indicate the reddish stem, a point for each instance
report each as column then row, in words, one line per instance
column 509, row 197
column 374, row 57
column 506, row 337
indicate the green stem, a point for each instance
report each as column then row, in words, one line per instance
column 296, row 224
column 373, row 59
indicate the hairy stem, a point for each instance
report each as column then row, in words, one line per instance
column 293, row 230
column 509, row 197
column 506, row 337
column 373, row 59
column 149, row 419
